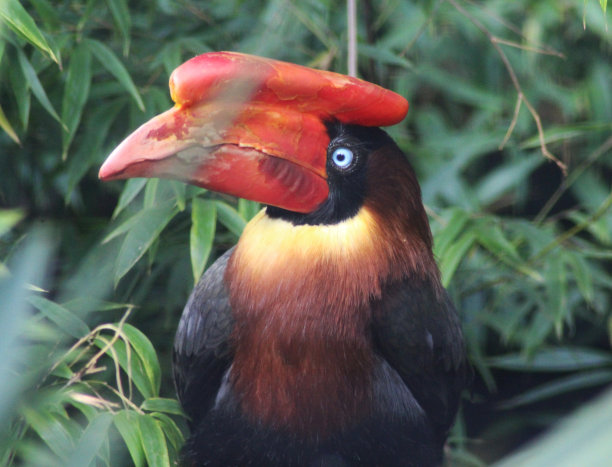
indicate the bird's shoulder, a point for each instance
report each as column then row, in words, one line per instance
column 202, row 349
column 416, row 329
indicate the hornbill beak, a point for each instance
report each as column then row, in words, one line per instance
column 251, row 127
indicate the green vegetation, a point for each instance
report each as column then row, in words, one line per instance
column 509, row 131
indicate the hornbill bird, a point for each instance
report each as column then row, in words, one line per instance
column 324, row 337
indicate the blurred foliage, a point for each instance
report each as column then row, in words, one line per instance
column 93, row 277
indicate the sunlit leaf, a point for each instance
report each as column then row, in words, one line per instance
column 7, row 127
column 8, row 219
column 22, row 23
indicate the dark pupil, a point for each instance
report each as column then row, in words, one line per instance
column 340, row 157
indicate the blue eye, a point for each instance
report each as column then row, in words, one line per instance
column 342, row 157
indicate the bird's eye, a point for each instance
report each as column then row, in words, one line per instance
column 342, row 157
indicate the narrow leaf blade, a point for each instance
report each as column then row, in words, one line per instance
column 203, row 222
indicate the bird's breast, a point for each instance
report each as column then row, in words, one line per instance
column 301, row 302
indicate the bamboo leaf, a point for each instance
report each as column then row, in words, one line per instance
column 553, row 359
column 126, row 422
column 65, row 320
column 91, row 441
column 51, row 429
column 109, row 60
column 455, row 225
column 580, row 439
column 559, row 386
column 154, row 442
column 454, row 255
column 144, row 349
column 230, row 218
column 141, row 236
column 7, row 127
column 171, row 430
column 8, row 219
column 131, row 189
column 76, row 91
column 37, row 89
column 247, row 208
column 23, row 96
column 23, row 25
column 203, row 222
column 162, row 404
column 121, row 16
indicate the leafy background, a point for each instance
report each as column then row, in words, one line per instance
column 93, row 276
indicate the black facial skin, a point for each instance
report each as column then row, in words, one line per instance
column 347, row 186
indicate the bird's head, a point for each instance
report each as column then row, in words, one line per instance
column 274, row 132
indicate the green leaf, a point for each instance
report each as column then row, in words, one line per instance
column 126, row 422
column 23, row 25
column 150, row 192
column 230, row 218
column 121, row 16
column 51, row 430
column 23, row 96
column 454, row 255
column 582, row 275
column 7, row 127
column 449, row 233
column 109, row 60
column 141, row 236
column 153, row 441
column 564, row 133
column 202, row 235
column 63, row 318
column 171, row 430
column 8, row 219
column 582, row 439
column 131, row 189
column 145, row 351
column 505, row 178
column 162, row 404
column 91, row 441
column 76, row 91
column 98, row 124
column 247, row 208
column 132, row 366
column 37, row 89
column 553, row 359
column 559, row 386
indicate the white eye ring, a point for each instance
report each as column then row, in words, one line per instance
column 342, row 157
